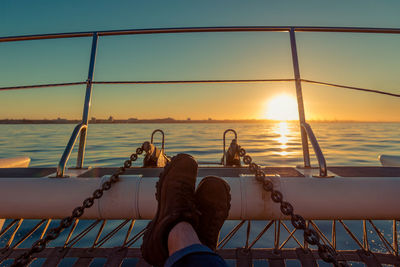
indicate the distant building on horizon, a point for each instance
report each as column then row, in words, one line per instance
column 61, row 120
column 132, row 119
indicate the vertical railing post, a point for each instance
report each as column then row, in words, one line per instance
column 395, row 238
column 86, row 105
column 299, row 93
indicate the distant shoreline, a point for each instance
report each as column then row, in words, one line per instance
column 169, row 121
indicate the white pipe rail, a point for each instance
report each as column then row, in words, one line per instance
column 133, row 197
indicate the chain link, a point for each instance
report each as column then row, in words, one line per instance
column 327, row 253
column 54, row 233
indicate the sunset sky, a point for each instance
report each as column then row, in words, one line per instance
column 362, row 60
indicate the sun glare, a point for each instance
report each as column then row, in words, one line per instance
column 283, row 131
column 282, row 108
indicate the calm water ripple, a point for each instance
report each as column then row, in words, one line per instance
column 270, row 143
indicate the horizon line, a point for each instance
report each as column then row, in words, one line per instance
column 172, row 120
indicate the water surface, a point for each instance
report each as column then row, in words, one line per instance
column 273, row 144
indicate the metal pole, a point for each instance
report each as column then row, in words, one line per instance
column 68, row 149
column 299, row 93
column 395, row 238
column 86, row 105
column 323, row 171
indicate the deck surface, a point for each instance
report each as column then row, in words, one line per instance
column 344, row 171
column 26, row 172
column 203, row 171
column 366, row 171
column 241, row 256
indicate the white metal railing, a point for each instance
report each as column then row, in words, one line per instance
column 314, row 199
column 297, row 78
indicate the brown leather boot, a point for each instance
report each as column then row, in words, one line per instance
column 175, row 197
column 213, row 201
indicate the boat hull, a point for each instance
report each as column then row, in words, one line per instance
column 389, row 161
column 18, row 162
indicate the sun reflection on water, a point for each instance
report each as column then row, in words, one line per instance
column 283, row 130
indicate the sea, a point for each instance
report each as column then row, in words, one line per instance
column 269, row 144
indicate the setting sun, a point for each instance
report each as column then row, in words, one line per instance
column 282, row 107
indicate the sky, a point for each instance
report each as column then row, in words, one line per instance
column 362, row 60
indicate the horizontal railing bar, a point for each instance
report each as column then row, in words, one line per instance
column 45, row 36
column 64, row 196
column 144, row 82
column 351, row 87
column 201, row 81
column 40, row 86
column 200, row 29
column 348, row 29
column 194, row 81
column 141, row 31
column 197, row 30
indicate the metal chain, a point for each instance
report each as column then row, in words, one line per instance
column 55, row 232
column 327, row 253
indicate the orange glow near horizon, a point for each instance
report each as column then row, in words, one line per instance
column 282, row 108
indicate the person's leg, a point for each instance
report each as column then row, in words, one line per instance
column 196, row 256
column 181, row 236
column 185, row 249
column 174, row 231
column 212, row 198
column 175, row 204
